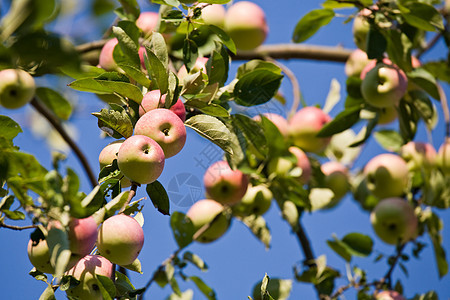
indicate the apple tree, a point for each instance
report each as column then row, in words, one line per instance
column 166, row 73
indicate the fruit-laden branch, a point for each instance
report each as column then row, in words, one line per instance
column 276, row 51
column 58, row 127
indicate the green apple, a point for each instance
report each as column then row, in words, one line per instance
column 384, row 85
column 120, row 239
column 204, row 212
column 443, row 158
column 153, row 100
column 106, row 59
column 165, row 127
column 213, row 14
column 256, row 201
column 147, row 22
column 419, row 155
column 356, row 62
column 82, row 235
column 245, row 23
column 278, row 120
column 394, row 221
column 17, row 88
column 386, row 175
column 389, row 295
column 361, row 29
column 336, row 179
column 387, row 115
column 141, row 159
column 39, row 255
column 85, row 271
column 282, row 166
column 200, row 65
column 224, row 184
column 304, row 126
column 108, row 155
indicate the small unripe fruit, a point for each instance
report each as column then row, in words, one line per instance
column 418, row 155
column 256, row 201
column 82, row 235
column 106, row 59
column 153, row 100
column 245, row 23
column 336, row 179
column 108, row 155
column 389, row 295
column 281, row 166
column 200, row 64
column 356, row 62
column 204, row 212
column 120, row 239
column 224, row 184
column 361, row 29
column 387, row 115
column 39, row 255
column 17, row 88
column 147, row 22
column 214, row 15
column 443, row 158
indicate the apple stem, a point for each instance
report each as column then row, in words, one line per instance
column 55, row 122
column 131, row 195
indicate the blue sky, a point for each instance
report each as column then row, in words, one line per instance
column 236, row 261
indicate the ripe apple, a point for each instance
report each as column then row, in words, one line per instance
column 214, row 14
column 17, row 88
column 443, row 157
column 279, row 121
column 356, row 62
column 304, row 126
column 256, row 201
column 120, row 239
column 245, row 23
column 200, row 65
column 384, row 85
column 106, row 59
column 394, row 221
column 39, row 255
column 224, row 184
column 147, row 22
column 85, row 271
column 386, row 175
column 141, row 159
column 165, row 127
column 389, row 295
column 153, row 100
column 361, row 29
column 108, row 155
column 82, row 235
column 418, row 155
column 204, row 212
column 282, row 166
column 336, row 179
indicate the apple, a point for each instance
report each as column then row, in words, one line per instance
column 371, row 64
column 389, row 295
column 106, row 59
column 256, row 201
column 443, row 158
column 384, row 85
column 82, row 235
column 141, row 159
column 361, row 29
column 108, row 155
column 394, row 221
column 17, row 88
column 245, row 22
column 85, row 271
column 165, row 127
column 279, row 121
column 153, row 100
column 147, row 22
column 304, row 126
column 141, row 53
column 387, row 115
column 200, row 65
column 418, row 155
column 386, row 175
column 224, row 184
column 120, row 239
column 204, row 212
column 39, row 255
column 214, row 14
column 356, row 62
column 336, row 179
column 282, row 166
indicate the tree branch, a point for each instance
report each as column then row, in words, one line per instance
column 17, row 227
column 131, row 195
column 305, row 244
column 58, row 127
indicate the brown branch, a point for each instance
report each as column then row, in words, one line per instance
column 17, row 227
column 305, row 244
column 131, row 195
column 46, row 113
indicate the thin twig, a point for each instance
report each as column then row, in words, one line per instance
column 17, row 227
column 131, row 195
column 59, row 128
column 430, row 45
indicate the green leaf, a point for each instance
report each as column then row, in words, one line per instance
column 358, row 244
column 131, row 7
column 212, row 129
column 390, row 140
column 59, row 249
column 190, row 53
column 256, row 87
column 158, row 72
column 182, row 228
column 90, row 85
column 159, row 197
column 87, row 206
column 257, row 64
column 14, row 215
column 55, row 102
column 136, row 74
column 275, row 140
column 311, row 23
column 376, row 44
column 124, row 89
column 195, row 260
column 333, row 97
column 107, row 287
column 422, row 15
column 6, row 202
column 224, row 37
column 340, row 250
column 425, row 80
column 115, row 122
column 203, row 287
column 252, row 131
column 439, row 69
column 211, row 109
column 48, row 293
column 9, row 129
column 159, row 48
column 258, row 226
column 217, row 69
column 344, row 120
column 134, row 266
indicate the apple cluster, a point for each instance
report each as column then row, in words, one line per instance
column 17, row 88
column 119, row 240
